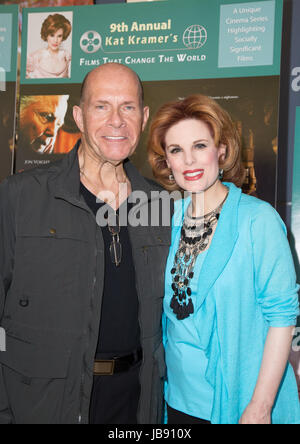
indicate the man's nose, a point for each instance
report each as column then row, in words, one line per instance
column 50, row 128
column 115, row 119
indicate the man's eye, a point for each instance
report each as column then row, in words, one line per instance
column 47, row 117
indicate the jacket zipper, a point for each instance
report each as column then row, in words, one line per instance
column 143, row 360
column 82, row 374
column 141, row 327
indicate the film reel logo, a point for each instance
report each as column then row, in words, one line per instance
column 90, row 42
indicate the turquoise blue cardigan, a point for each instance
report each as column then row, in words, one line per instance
column 247, row 284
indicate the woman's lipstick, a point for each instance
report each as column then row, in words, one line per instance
column 193, row 175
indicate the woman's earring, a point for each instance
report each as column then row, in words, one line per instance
column 171, row 178
column 221, row 174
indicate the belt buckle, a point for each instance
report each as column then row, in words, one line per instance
column 112, row 367
column 107, row 367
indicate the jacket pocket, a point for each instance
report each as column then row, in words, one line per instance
column 35, row 380
column 48, row 265
column 47, row 274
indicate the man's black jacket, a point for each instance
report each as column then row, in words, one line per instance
column 51, row 286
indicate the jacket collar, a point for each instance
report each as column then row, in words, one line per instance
column 222, row 244
column 65, row 181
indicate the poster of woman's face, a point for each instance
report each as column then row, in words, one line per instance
column 49, row 45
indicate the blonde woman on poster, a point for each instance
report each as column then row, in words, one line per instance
column 53, row 61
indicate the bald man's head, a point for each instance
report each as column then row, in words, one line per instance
column 111, row 115
column 110, row 69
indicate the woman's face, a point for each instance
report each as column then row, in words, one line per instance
column 192, row 155
column 54, row 40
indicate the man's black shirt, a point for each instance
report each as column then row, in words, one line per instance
column 115, row 398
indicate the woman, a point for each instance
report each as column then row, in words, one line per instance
column 52, row 61
column 230, row 293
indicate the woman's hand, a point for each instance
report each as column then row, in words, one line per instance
column 276, row 353
column 256, row 413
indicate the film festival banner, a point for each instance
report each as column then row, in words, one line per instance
column 227, row 49
column 8, row 75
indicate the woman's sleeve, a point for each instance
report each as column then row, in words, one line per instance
column 275, row 277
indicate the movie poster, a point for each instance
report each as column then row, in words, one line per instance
column 8, row 74
column 227, row 49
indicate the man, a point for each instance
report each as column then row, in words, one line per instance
column 80, row 303
column 40, row 119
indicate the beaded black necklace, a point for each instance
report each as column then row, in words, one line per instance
column 195, row 236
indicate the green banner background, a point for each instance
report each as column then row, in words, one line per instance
column 170, row 43
column 9, row 40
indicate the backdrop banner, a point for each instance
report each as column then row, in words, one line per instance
column 227, row 49
column 8, row 75
column 293, row 145
column 295, row 355
column 293, row 125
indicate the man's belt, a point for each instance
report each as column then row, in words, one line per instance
column 107, row 367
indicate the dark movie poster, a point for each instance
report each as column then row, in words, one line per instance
column 47, row 130
column 253, row 105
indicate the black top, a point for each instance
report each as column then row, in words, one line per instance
column 119, row 332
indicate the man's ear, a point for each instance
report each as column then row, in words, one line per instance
column 146, row 113
column 77, row 115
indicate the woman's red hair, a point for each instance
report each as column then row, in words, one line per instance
column 207, row 110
